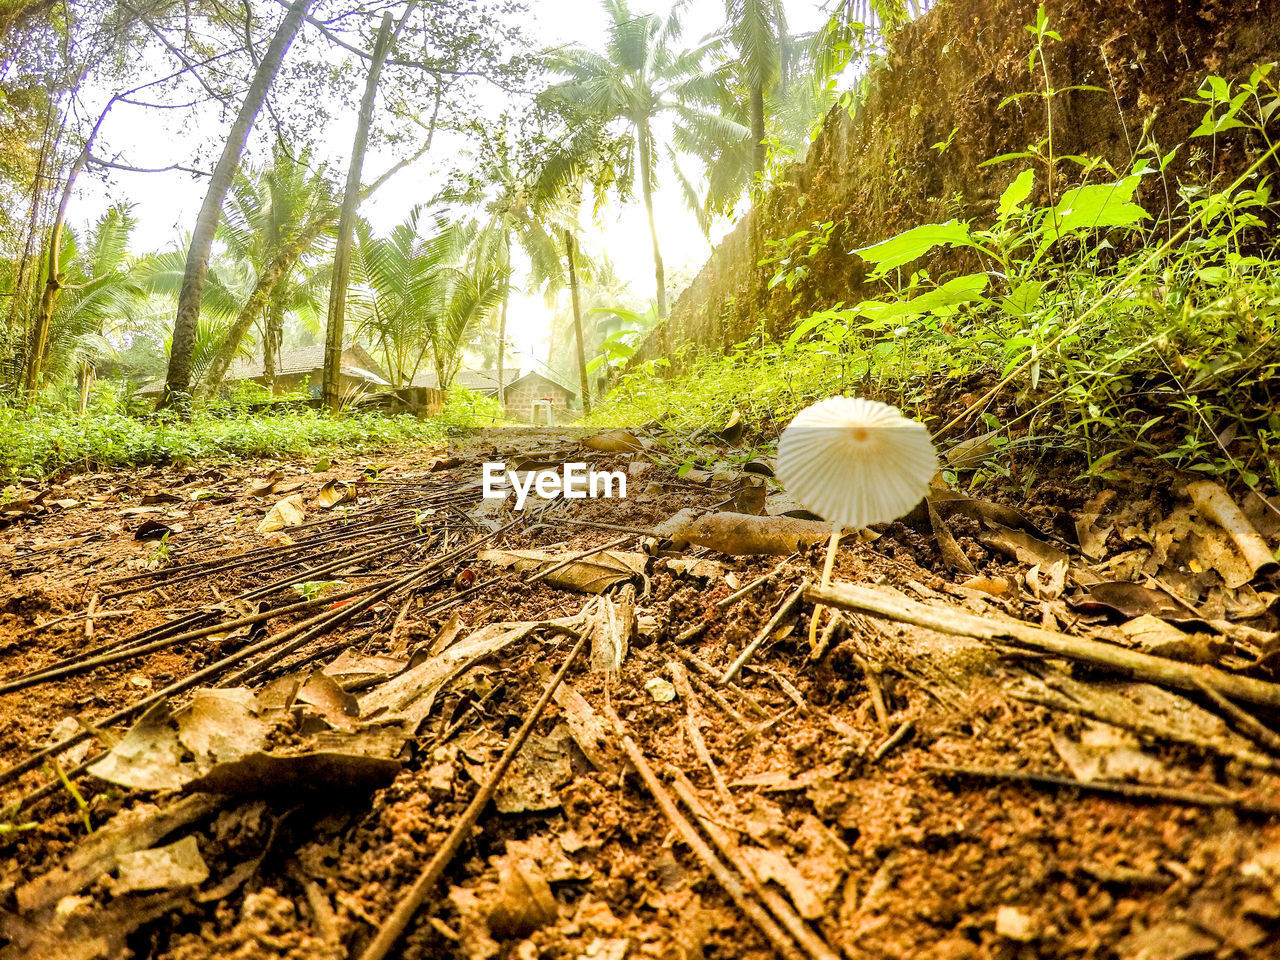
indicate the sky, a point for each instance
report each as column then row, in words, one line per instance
column 165, row 204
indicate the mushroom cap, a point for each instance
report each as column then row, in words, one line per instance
column 856, row 462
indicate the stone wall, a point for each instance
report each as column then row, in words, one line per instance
column 876, row 173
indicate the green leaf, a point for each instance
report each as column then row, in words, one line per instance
column 944, row 298
column 1016, row 193
column 914, row 243
column 1095, row 207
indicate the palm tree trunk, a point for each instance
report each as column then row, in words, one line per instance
column 177, row 388
column 53, row 280
column 257, row 302
column 646, row 187
column 273, row 336
column 502, row 344
column 347, row 222
column 759, row 153
column 577, row 323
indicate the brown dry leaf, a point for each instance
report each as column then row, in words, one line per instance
column 539, row 769
column 1105, row 752
column 751, row 497
column 1214, row 503
column 1021, row 546
column 585, row 727
column 952, row 555
column 338, row 707
column 162, row 868
column 335, row 492
column 1162, row 639
column 737, row 533
column 701, row 568
column 593, row 574
column 613, row 441
column 774, row 865
column 1047, row 583
column 522, row 902
column 265, row 486
column 126, row 832
column 948, row 502
column 1089, row 535
column 993, row 586
column 288, row 512
column 1132, row 600
column 611, row 628
column 1171, row 940
column 783, row 504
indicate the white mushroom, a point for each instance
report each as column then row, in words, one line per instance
column 855, row 462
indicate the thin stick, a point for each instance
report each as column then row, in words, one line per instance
column 726, row 602
column 727, row 878
column 395, row 925
column 1245, row 721
column 693, row 725
column 1143, row 666
column 827, row 566
column 1133, row 791
column 793, row 599
column 813, row 944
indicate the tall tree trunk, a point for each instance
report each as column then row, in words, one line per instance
column 53, row 278
column 759, row 154
column 347, row 222
column 177, row 388
column 273, row 336
column 257, row 303
column 646, row 186
column 579, row 349
column 502, row 347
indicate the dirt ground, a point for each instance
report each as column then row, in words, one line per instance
column 899, row 791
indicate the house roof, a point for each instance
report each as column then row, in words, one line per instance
column 356, row 362
column 549, row 378
column 482, row 381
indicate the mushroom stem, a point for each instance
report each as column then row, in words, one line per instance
column 827, row 567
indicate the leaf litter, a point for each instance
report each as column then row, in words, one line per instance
column 820, row 775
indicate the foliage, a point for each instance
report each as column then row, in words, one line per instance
column 48, row 437
column 1117, row 341
column 468, row 410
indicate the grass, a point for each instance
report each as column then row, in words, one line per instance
column 48, row 437
column 1121, row 331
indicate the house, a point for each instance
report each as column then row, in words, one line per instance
column 521, row 390
column 301, row 369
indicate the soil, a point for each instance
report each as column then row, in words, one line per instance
column 830, row 764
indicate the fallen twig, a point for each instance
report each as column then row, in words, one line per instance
column 727, row 879
column 1129, row 662
column 788, row 605
column 391, row 929
column 814, row 945
column 1134, row 791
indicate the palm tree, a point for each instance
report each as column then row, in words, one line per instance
column 758, row 29
column 419, row 299
column 99, row 290
column 516, row 213
column 640, row 78
column 274, row 217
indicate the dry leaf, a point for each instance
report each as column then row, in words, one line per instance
column 593, row 574
column 613, row 441
column 738, row 533
column 335, row 492
column 288, row 512
column 162, row 868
